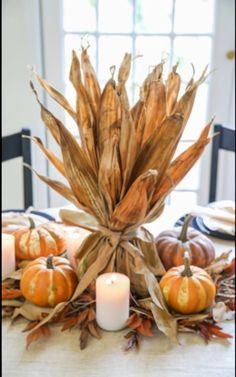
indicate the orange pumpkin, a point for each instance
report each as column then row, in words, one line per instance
column 48, row 281
column 171, row 245
column 188, row 289
column 41, row 241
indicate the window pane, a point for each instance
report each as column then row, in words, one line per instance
column 153, row 16
column 115, row 16
column 194, row 16
column 73, row 42
column 79, row 15
column 182, row 202
column 153, row 50
column 111, row 52
column 196, row 50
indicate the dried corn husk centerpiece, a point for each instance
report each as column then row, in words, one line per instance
column 122, row 171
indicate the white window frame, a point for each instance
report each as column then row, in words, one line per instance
column 53, row 62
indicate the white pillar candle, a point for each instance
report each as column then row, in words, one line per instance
column 112, row 301
column 8, row 254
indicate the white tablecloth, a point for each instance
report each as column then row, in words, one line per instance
column 60, row 356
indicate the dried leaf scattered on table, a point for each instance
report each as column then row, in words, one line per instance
column 37, row 334
column 133, row 340
column 31, row 312
column 206, row 329
column 71, row 322
column 93, row 329
column 230, row 269
column 84, row 335
column 30, row 326
column 9, row 292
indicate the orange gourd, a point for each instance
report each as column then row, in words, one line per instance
column 171, row 245
column 187, row 289
column 48, row 281
column 40, row 241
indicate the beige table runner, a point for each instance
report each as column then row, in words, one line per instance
column 60, row 356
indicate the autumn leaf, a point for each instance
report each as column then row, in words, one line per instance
column 92, row 328
column 91, row 315
column 30, row 326
column 37, row 334
column 204, row 333
column 133, row 340
column 83, row 315
column 8, row 294
column 86, row 297
column 134, row 321
column 230, row 269
column 215, row 330
column 145, row 327
column 61, row 316
column 230, row 305
column 9, row 291
column 7, row 311
column 71, row 322
column 83, row 339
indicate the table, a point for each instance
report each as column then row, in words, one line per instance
column 60, row 356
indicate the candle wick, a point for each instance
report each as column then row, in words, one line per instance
column 110, row 281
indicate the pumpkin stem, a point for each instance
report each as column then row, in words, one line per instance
column 184, row 231
column 187, row 270
column 32, row 223
column 49, row 263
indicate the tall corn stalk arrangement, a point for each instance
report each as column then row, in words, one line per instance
column 122, row 171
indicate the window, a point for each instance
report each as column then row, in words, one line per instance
column 180, row 30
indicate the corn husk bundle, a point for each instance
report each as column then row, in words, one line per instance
column 121, row 171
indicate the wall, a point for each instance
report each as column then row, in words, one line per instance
column 222, row 100
column 20, row 47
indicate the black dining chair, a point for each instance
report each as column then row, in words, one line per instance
column 225, row 139
column 16, row 146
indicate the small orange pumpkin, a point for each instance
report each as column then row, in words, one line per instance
column 188, row 289
column 171, row 245
column 48, row 281
column 41, row 241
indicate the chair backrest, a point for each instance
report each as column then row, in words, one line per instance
column 16, row 146
column 224, row 140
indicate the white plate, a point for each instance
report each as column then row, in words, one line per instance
column 13, row 219
column 226, row 206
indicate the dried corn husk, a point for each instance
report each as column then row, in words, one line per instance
column 110, row 114
column 172, row 89
column 122, row 172
column 91, row 84
column 84, row 115
column 123, row 76
column 56, row 95
column 50, row 121
column 50, row 155
column 155, row 108
column 110, row 179
column 134, row 206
